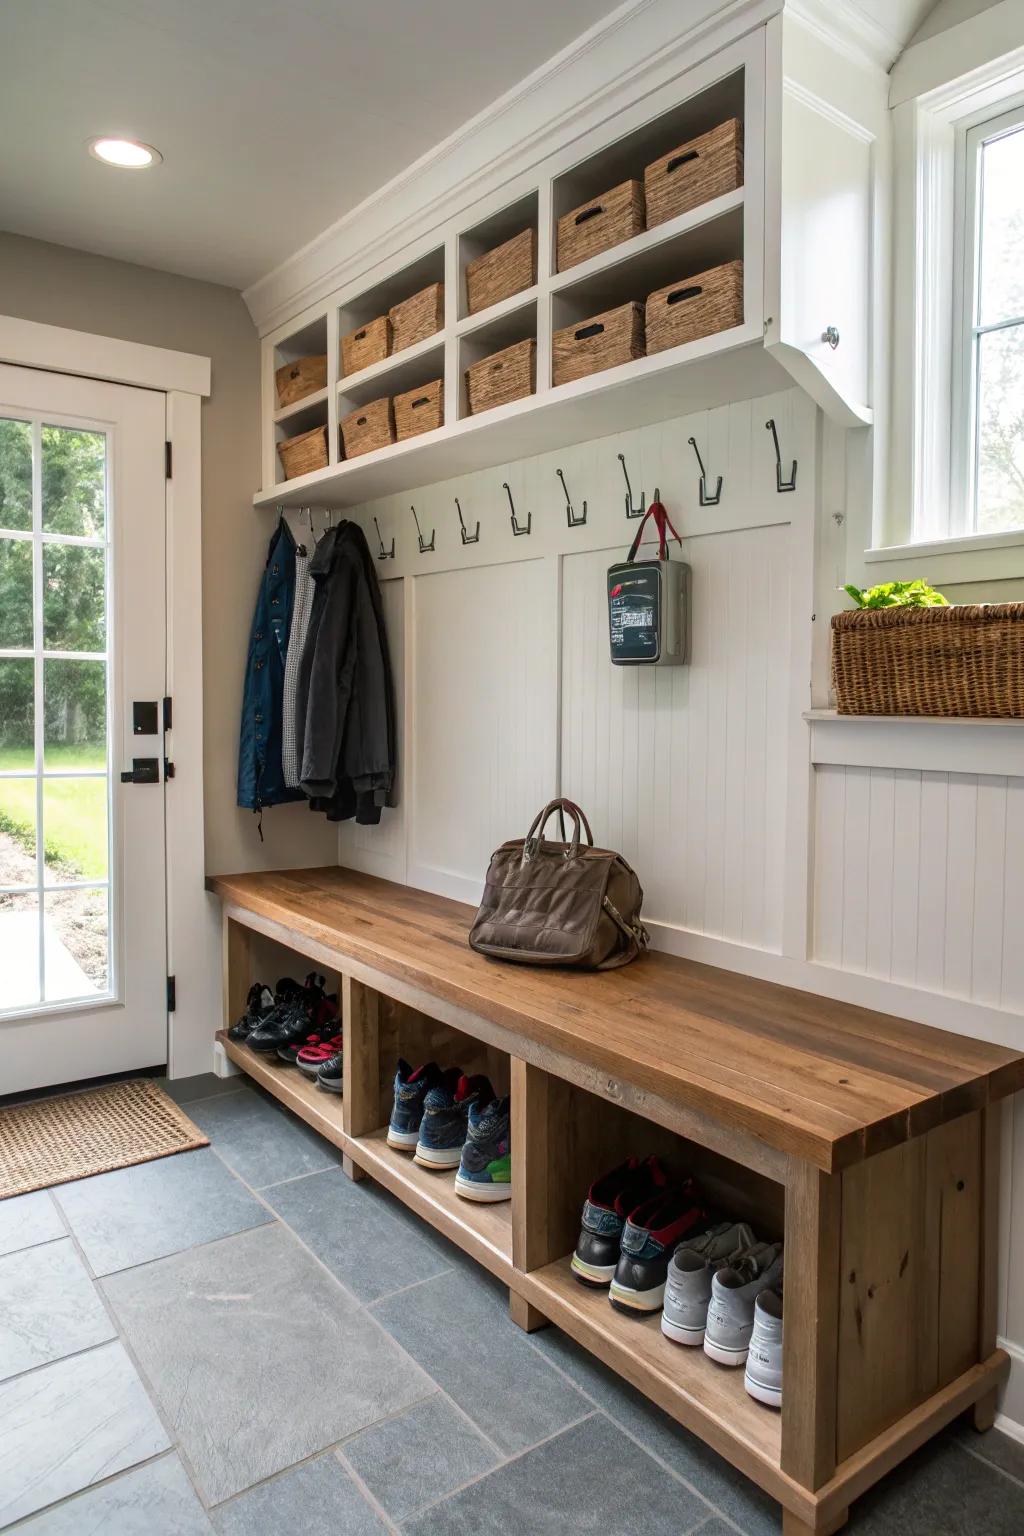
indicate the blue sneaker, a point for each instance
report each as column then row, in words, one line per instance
column 411, row 1089
column 485, row 1172
column 444, row 1126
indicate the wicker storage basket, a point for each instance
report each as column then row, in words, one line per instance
column 372, row 426
column 965, row 660
column 419, row 410
column 300, row 455
column 603, row 222
column 417, row 318
column 617, row 336
column 370, row 344
column 504, row 376
column 694, row 173
column 697, row 306
column 298, row 379
column 508, row 269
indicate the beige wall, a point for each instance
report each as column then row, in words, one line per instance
column 59, row 286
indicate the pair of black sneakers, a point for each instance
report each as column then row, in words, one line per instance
column 274, row 1021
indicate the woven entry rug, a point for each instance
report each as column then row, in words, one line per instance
column 52, row 1141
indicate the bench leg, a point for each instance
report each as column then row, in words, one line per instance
column 524, row 1315
column 352, row 1170
column 984, row 1411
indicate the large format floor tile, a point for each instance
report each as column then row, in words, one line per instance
column 260, row 1139
column 154, row 1209
column 154, row 1500
column 317, row 1499
column 941, row 1489
column 256, row 1356
column 68, row 1425
column 418, row 1456
column 394, row 1248
column 591, row 1479
column 48, row 1308
column 28, row 1219
column 458, row 1328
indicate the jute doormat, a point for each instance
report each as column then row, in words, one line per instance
column 53, row 1141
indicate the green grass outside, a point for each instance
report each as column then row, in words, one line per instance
column 74, row 810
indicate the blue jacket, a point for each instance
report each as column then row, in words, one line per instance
column 260, row 775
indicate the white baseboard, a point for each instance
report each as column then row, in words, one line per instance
column 1010, row 1418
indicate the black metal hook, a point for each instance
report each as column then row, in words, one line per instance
column 467, row 538
column 384, row 554
column 570, row 516
column 425, row 548
column 632, row 511
column 780, row 483
column 512, row 506
column 705, row 499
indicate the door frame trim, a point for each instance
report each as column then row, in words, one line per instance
column 54, row 349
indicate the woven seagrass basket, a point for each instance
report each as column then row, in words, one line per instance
column 596, row 226
column 506, row 375
column 419, row 410
column 615, row 337
column 301, row 455
column 301, row 378
column 370, row 344
column 418, row 317
column 694, row 173
column 371, row 426
column 497, row 274
column 958, row 661
column 694, row 307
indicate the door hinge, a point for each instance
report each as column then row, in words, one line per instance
column 172, row 994
column 168, row 459
column 167, row 713
column 168, row 768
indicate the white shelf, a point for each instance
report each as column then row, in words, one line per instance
column 499, row 311
column 390, row 364
column 650, row 240
column 918, row 743
column 298, row 406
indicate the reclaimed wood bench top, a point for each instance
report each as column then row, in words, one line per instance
column 822, row 1080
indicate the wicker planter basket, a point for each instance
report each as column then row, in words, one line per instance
column 370, row 344
column 603, row 222
column 504, row 376
column 371, row 426
column 694, row 173
column 617, row 336
column 697, row 306
column 506, row 270
column 955, row 661
column 301, row 455
column 298, row 379
column 419, row 410
column 417, row 318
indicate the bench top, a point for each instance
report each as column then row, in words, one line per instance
column 822, row 1080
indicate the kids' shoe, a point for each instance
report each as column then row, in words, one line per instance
column 289, row 1053
column 648, row 1239
column 298, row 1016
column 608, row 1204
column 329, row 1076
column 316, row 1052
column 485, row 1169
column 258, row 1006
column 445, row 1122
column 690, row 1271
column 763, row 1376
column 734, row 1291
column 411, row 1088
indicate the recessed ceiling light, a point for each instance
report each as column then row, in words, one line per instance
column 126, row 154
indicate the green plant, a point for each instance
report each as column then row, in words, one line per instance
column 897, row 594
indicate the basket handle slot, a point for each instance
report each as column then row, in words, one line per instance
column 684, row 159
column 423, row 400
column 679, row 294
column 589, row 213
column 295, row 371
column 497, row 367
column 360, row 336
column 360, row 421
column 588, row 330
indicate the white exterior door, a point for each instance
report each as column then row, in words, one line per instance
column 83, row 948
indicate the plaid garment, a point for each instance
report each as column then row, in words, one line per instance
column 302, row 606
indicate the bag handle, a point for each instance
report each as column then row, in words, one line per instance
column 536, row 833
column 661, row 522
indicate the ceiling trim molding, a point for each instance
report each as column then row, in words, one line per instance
column 848, row 29
column 30, row 344
column 984, row 46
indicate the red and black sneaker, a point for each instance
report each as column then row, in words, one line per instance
column 288, row 1053
column 611, row 1199
column 317, row 1052
column 649, row 1239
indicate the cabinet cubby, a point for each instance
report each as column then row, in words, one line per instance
column 492, row 334
column 485, row 236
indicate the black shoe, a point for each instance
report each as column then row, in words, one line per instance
column 258, row 1006
column 329, row 1075
column 649, row 1239
column 292, row 1021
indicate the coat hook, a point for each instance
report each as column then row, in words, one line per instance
column 632, row 511
column 571, row 519
column 385, row 554
column 529, row 516
column 425, row 548
column 467, row 538
column 705, row 499
column 780, row 483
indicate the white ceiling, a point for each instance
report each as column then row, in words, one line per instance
column 275, row 117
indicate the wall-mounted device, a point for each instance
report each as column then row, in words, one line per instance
column 649, row 603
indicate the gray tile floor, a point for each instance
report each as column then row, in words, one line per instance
column 240, row 1342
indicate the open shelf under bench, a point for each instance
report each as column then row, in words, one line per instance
column 870, row 1143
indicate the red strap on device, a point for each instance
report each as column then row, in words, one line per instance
column 661, row 522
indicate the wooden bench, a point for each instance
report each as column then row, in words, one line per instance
column 870, row 1142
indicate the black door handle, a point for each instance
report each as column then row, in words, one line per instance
column 144, row 770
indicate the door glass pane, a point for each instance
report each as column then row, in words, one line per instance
column 15, row 474
column 19, row 950
column 75, row 829
column 1001, row 430
column 74, row 481
column 75, row 710
column 75, row 943
column 17, row 833
column 1002, row 229
column 17, row 713
column 16, row 594
column 74, row 598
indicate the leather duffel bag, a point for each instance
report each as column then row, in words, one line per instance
column 560, row 903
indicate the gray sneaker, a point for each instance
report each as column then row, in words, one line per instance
column 763, row 1377
column 733, row 1293
column 688, row 1287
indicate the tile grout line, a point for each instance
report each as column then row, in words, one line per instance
column 412, row 1286
column 362, row 1488
column 969, row 1450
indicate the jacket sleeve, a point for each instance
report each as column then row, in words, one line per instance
column 331, row 681
column 367, row 755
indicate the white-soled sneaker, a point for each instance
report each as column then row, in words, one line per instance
column 763, row 1376
column 688, row 1287
column 733, row 1293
